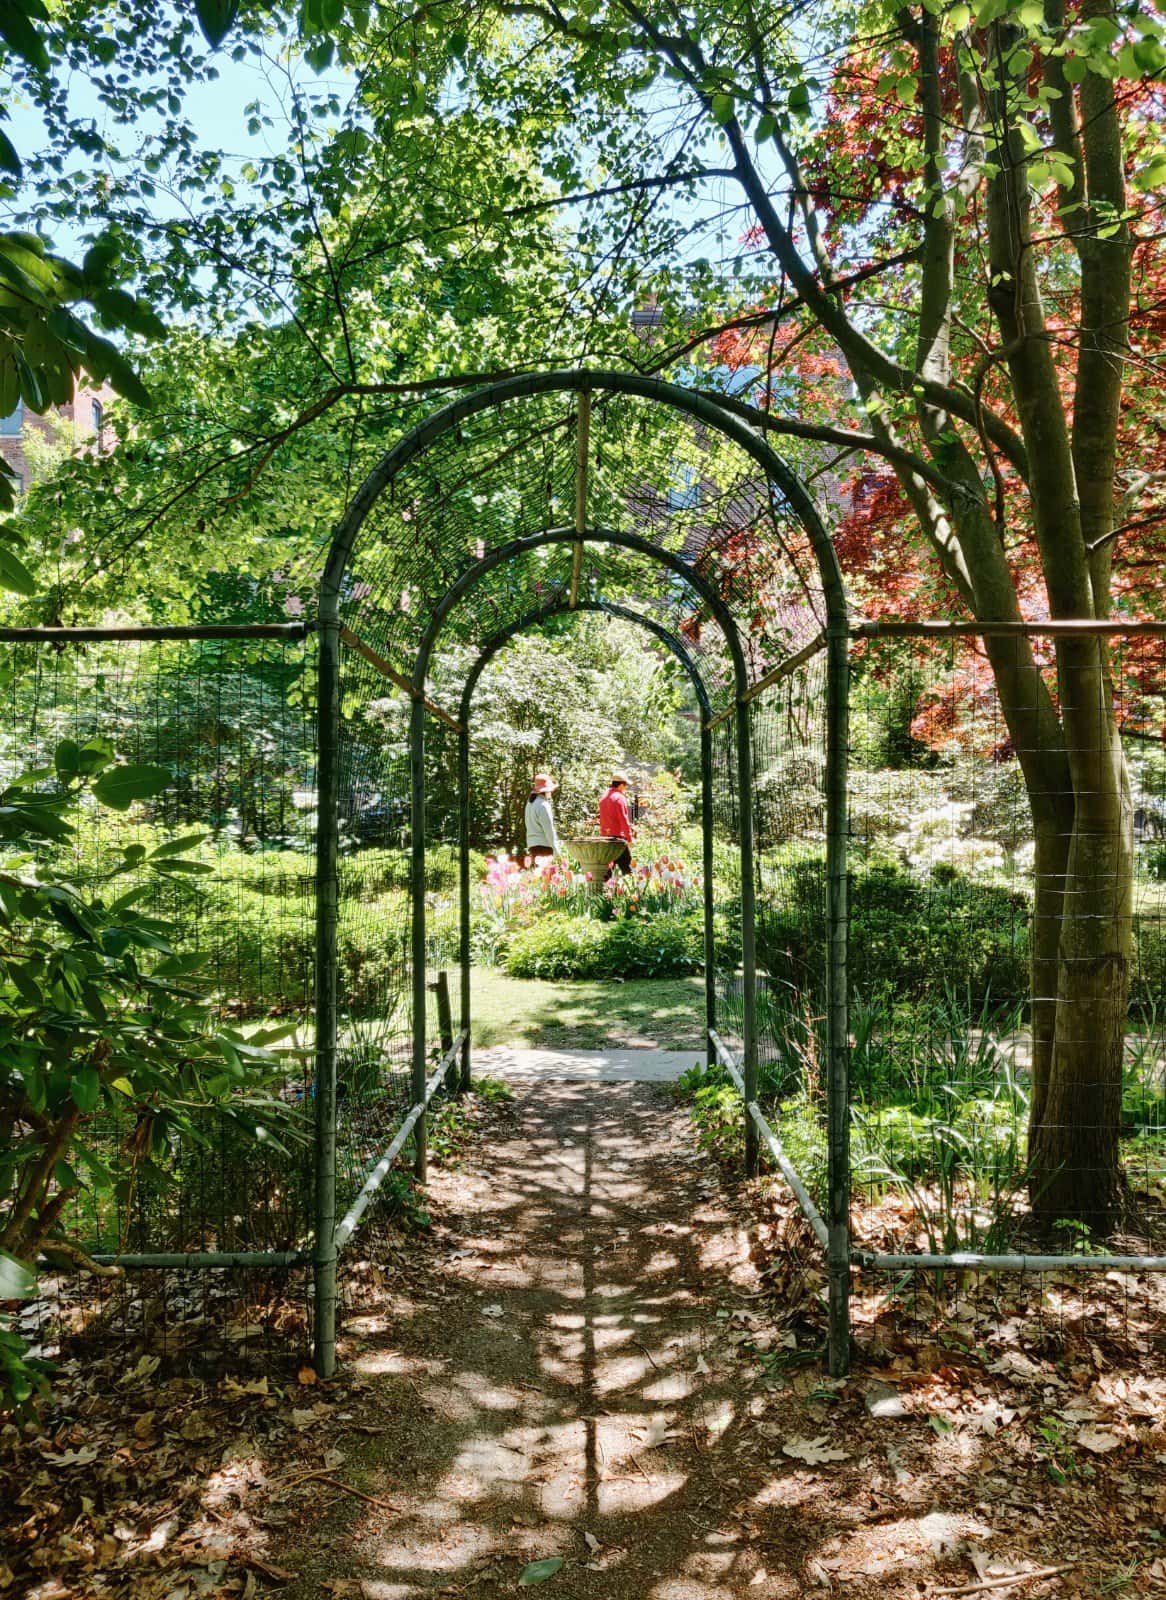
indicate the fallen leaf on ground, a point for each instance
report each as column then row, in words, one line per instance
column 813, row 1451
column 1099, row 1440
column 538, row 1571
column 71, row 1458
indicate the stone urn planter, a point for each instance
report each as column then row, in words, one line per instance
column 593, row 856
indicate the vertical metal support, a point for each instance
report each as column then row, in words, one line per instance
column 417, row 882
column 327, row 851
column 744, row 721
column 582, row 448
column 445, row 1026
column 463, row 787
column 706, row 842
column 837, row 1010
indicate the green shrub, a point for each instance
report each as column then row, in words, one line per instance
column 662, row 946
column 1152, row 861
column 559, row 947
column 368, row 874
column 719, row 1114
column 909, row 938
column 1148, row 978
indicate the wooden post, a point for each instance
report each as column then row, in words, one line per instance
column 445, row 1027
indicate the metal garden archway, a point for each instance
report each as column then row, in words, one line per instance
column 471, row 503
column 490, row 649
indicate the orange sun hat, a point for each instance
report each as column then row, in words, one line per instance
column 543, row 783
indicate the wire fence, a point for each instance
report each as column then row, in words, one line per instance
column 990, row 881
column 228, row 720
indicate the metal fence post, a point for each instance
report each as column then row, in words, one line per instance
column 748, row 931
column 327, row 849
column 837, row 1011
column 463, row 784
column 706, row 842
column 417, row 880
column 445, row 1026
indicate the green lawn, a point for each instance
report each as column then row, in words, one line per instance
column 665, row 1012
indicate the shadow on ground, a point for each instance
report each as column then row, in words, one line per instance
column 579, row 1380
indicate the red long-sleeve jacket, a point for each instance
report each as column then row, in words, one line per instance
column 615, row 819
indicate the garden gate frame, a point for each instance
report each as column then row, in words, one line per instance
column 334, row 636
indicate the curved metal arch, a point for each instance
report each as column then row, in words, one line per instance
column 563, row 608
column 453, row 596
column 490, row 649
column 501, row 554
column 580, row 381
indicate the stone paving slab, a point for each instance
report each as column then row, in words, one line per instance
column 519, row 1064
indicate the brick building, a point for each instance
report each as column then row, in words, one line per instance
column 85, row 416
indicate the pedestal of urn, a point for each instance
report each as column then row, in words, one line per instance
column 593, row 856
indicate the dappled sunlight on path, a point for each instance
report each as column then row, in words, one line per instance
column 553, row 1398
column 589, row 1374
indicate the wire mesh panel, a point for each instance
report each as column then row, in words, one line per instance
column 789, row 732
column 1006, row 982
column 215, row 861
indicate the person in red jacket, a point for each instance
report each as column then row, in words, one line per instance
column 615, row 821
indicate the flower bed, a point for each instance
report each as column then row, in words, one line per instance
column 547, row 920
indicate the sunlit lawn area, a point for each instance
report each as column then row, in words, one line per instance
column 665, row 1012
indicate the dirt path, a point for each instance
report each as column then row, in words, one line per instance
column 555, row 1395
column 588, row 1369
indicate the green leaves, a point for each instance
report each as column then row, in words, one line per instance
column 14, row 575
column 722, row 108
column 216, row 18
column 1152, row 176
column 17, row 1279
column 119, row 787
column 74, row 760
column 19, row 31
column 85, row 1088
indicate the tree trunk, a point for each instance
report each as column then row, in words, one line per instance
column 1050, row 869
column 1075, row 1118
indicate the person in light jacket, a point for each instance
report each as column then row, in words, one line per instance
column 542, row 837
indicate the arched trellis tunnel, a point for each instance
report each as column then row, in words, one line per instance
column 541, row 496
column 677, row 647
column 535, row 501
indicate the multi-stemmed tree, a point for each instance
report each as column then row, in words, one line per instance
column 959, row 201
